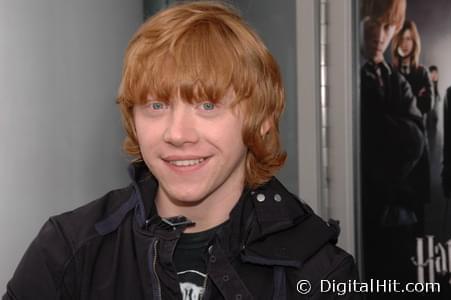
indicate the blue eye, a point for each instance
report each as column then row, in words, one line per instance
column 157, row 105
column 208, row 106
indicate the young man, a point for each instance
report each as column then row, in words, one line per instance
column 201, row 99
column 393, row 143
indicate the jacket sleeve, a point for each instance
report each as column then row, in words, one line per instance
column 344, row 275
column 40, row 272
column 408, row 102
column 329, row 274
column 426, row 99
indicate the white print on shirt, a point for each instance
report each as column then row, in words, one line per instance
column 192, row 290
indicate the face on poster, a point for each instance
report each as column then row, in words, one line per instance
column 405, row 87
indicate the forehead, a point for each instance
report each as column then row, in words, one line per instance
column 197, row 68
column 189, row 96
column 379, row 21
column 407, row 33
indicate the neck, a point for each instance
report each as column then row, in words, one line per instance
column 206, row 213
column 405, row 60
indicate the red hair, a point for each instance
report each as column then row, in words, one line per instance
column 388, row 11
column 200, row 50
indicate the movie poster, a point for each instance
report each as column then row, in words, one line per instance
column 405, row 140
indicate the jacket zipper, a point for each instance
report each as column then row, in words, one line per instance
column 205, row 287
column 153, row 255
column 206, row 277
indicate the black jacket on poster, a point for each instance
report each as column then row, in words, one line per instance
column 422, row 88
column 419, row 79
column 393, row 140
column 392, row 144
column 112, row 248
column 446, row 171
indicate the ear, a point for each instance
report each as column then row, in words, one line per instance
column 266, row 126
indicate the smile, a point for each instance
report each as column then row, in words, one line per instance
column 186, row 163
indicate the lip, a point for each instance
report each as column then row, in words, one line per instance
column 184, row 157
column 185, row 169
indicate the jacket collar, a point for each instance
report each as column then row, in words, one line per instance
column 274, row 207
column 268, row 225
column 284, row 230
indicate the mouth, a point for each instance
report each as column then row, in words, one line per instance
column 185, row 164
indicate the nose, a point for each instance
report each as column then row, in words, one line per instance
column 181, row 127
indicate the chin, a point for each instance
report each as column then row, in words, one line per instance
column 187, row 200
column 184, row 196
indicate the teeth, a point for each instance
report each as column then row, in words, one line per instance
column 186, row 163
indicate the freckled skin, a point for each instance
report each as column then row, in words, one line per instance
column 182, row 131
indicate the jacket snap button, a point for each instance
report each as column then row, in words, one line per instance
column 238, row 296
column 225, row 277
column 213, row 259
column 261, row 197
column 277, row 198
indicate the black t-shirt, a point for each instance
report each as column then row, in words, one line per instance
column 190, row 262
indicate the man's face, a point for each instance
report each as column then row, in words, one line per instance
column 377, row 37
column 194, row 150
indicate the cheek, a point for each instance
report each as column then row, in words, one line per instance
column 146, row 133
column 225, row 134
column 390, row 33
column 368, row 34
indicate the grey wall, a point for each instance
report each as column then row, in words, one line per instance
column 59, row 127
column 275, row 22
column 342, row 119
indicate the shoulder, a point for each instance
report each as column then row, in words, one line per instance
column 330, row 262
column 303, row 235
column 448, row 92
column 50, row 254
column 320, row 259
column 78, row 225
column 63, row 235
column 422, row 72
column 422, row 69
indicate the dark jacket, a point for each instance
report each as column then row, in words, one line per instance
column 446, row 171
column 113, row 249
column 422, row 88
column 393, row 141
column 393, row 144
column 420, row 80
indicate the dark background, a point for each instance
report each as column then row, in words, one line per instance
column 433, row 19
